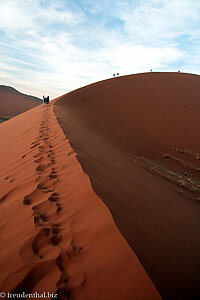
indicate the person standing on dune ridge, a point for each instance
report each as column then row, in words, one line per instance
column 44, row 100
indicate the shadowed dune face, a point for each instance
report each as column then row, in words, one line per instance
column 137, row 139
column 13, row 103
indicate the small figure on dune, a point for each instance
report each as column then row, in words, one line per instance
column 45, row 100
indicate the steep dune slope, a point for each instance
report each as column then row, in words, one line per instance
column 13, row 103
column 137, row 137
column 57, row 236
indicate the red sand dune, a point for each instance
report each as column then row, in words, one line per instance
column 56, row 235
column 13, row 103
column 137, row 137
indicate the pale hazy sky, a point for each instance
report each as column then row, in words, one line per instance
column 54, row 46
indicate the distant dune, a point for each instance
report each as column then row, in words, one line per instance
column 137, row 138
column 13, row 103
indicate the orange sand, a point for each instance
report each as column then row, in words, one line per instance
column 55, row 233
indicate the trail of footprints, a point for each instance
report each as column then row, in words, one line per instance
column 45, row 216
column 44, row 213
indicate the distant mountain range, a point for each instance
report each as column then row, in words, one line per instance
column 13, row 102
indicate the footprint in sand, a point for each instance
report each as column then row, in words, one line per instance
column 37, row 221
column 38, row 160
column 55, row 240
column 44, row 218
column 46, row 211
column 53, row 160
column 56, row 230
column 40, row 240
column 36, row 142
column 59, row 207
column 46, row 184
column 47, row 191
column 11, row 180
column 41, row 186
column 41, row 147
column 9, row 177
column 34, row 146
column 37, row 155
column 27, row 200
column 52, row 176
column 53, row 197
column 31, row 197
column 5, row 196
column 43, row 130
column 40, row 169
column 44, row 138
column 43, row 206
column 74, row 250
column 71, row 276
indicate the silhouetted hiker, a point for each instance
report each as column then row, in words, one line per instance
column 44, row 100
